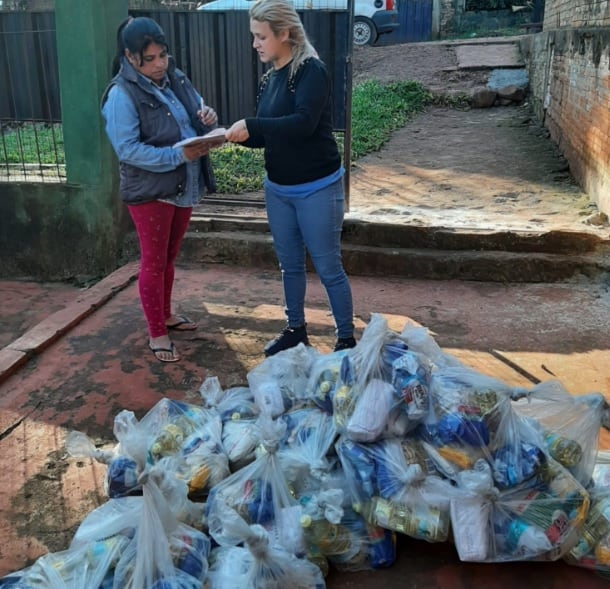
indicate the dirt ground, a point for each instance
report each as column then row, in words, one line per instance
column 435, row 65
column 463, row 168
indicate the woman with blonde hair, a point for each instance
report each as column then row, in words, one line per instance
column 304, row 193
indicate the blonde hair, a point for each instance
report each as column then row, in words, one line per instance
column 281, row 16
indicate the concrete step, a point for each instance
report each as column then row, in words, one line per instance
column 371, row 249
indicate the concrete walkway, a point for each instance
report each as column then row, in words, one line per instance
column 82, row 364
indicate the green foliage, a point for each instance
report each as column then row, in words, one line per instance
column 32, row 143
column 378, row 109
column 457, row 101
column 237, row 169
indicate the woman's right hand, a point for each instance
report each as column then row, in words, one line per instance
column 237, row 132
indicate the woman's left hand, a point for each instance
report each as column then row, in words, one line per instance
column 208, row 116
column 196, row 150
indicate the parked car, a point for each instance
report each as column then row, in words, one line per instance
column 371, row 17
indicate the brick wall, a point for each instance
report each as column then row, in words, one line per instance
column 576, row 13
column 569, row 70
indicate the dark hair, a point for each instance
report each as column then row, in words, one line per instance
column 136, row 34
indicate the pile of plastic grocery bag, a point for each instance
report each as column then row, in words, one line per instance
column 322, row 459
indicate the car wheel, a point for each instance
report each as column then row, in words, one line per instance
column 365, row 32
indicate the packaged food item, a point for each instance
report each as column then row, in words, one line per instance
column 331, row 539
column 423, row 522
column 595, row 529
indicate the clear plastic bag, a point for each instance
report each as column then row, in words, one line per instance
column 231, row 404
column 338, row 537
column 161, row 549
column 365, row 375
column 393, row 494
column 470, row 418
column 592, row 550
column 90, row 565
column 258, row 492
column 261, row 564
column 304, row 455
column 170, row 428
column 144, row 539
column 541, row 520
column 568, row 425
column 279, row 382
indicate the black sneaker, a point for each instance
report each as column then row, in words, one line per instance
column 345, row 343
column 289, row 338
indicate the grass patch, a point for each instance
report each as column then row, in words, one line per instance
column 237, row 169
column 32, row 143
column 377, row 110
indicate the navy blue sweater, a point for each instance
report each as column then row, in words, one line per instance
column 294, row 124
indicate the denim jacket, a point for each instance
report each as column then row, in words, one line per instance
column 143, row 122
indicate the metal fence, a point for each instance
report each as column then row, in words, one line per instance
column 31, row 141
column 213, row 48
column 31, row 150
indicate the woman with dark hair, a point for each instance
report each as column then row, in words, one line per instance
column 304, row 192
column 149, row 106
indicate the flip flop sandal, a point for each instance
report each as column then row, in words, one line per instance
column 183, row 324
column 172, row 351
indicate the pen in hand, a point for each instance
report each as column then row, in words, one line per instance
column 207, row 115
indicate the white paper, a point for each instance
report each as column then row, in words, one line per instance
column 213, row 136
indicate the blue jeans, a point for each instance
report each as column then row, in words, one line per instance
column 314, row 222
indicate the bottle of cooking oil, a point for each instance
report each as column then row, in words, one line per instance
column 331, row 539
column 566, row 451
column 424, row 522
column 596, row 527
